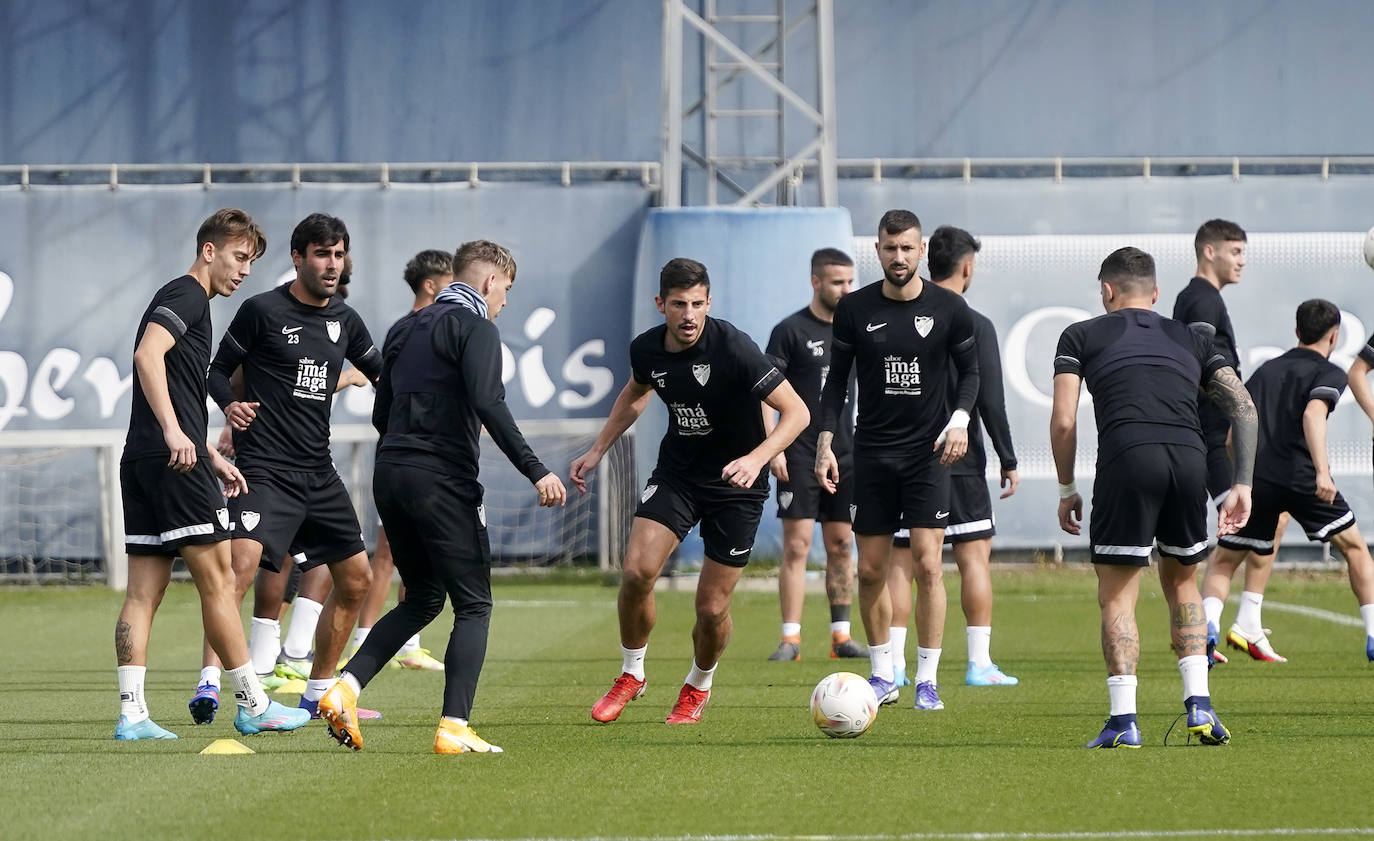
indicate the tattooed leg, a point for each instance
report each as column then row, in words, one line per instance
column 1117, row 590
column 148, row 577
column 1187, row 623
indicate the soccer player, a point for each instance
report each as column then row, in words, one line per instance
column 426, row 274
column 912, row 344
column 292, row 342
column 1144, row 371
column 711, row 469
column 441, row 382
column 167, row 474
column 1294, row 393
column 800, row 347
column 1220, row 249
column 950, row 255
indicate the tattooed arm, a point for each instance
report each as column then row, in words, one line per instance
column 1228, row 392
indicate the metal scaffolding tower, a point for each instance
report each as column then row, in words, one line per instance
column 730, row 77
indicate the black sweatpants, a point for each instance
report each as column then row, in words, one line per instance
column 439, row 540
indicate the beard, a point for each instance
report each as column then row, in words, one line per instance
column 898, row 282
column 315, row 286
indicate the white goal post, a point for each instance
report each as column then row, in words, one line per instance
column 61, row 514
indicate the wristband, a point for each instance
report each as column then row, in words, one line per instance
column 1067, row 489
column 958, row 420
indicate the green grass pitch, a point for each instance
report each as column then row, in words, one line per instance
column 997, row 763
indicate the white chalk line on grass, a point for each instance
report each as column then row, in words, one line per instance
column 1107, row 835
column 1315, row 613
column 552, row 603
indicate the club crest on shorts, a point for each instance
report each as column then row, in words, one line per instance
column 482, row 515
column 222, row 514
column 333, row 329
column 702, row 372
column 785, row 499
column 648, row 492
column 250, row 519
column 924, row 324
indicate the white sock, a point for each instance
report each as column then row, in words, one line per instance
column 461, row 722
column 411, row 646
column 1194, row 671
column 897, row 638
column 880, row 660
column 247, row 690
column 699, row 677
column 1211, row 608
column 264, row 643
column 927, row 664
column 632, row 661
column 1249, row 616
column 300, row 632
column 348, row 678
column 210, row 675
column 791, row 629
column 979, row 645
column 315, row 689
column 841, row 628
column 359, row 637
column 131, row 704
column 1367, row 613
column 1121, row 691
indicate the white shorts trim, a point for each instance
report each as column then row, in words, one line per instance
column 1182, row 551
column 1324, row 531
column 143, row 539
column 188, row 531
column 1136, row 551
column 1265, row 546
column 968, row 528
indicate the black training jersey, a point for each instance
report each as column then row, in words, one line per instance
column 440, row 383
column 183, row 308
column 712, row 391
column 800, row 347
column 291, row 355
column 1281, row 389
column 991, row 408
column 904, row 352
column 1143, row 371
column 1200, row 307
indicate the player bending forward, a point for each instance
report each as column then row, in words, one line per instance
column 1293, row 394
column 712, row 469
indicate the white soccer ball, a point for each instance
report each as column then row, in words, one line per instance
column 1369, row 248
column 843, row 705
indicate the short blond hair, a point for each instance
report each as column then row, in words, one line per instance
column 483, row 251
column 230, row 223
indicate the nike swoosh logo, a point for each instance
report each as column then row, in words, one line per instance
column 289, row 330
column 873, row 327
column 817, row 343
column 656, row 374
column 740, row 551
column 940, row 515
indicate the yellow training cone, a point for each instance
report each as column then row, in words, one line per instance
column 226, row 746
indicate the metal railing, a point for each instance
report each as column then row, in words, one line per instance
column 384, row 175
column 648, row 174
